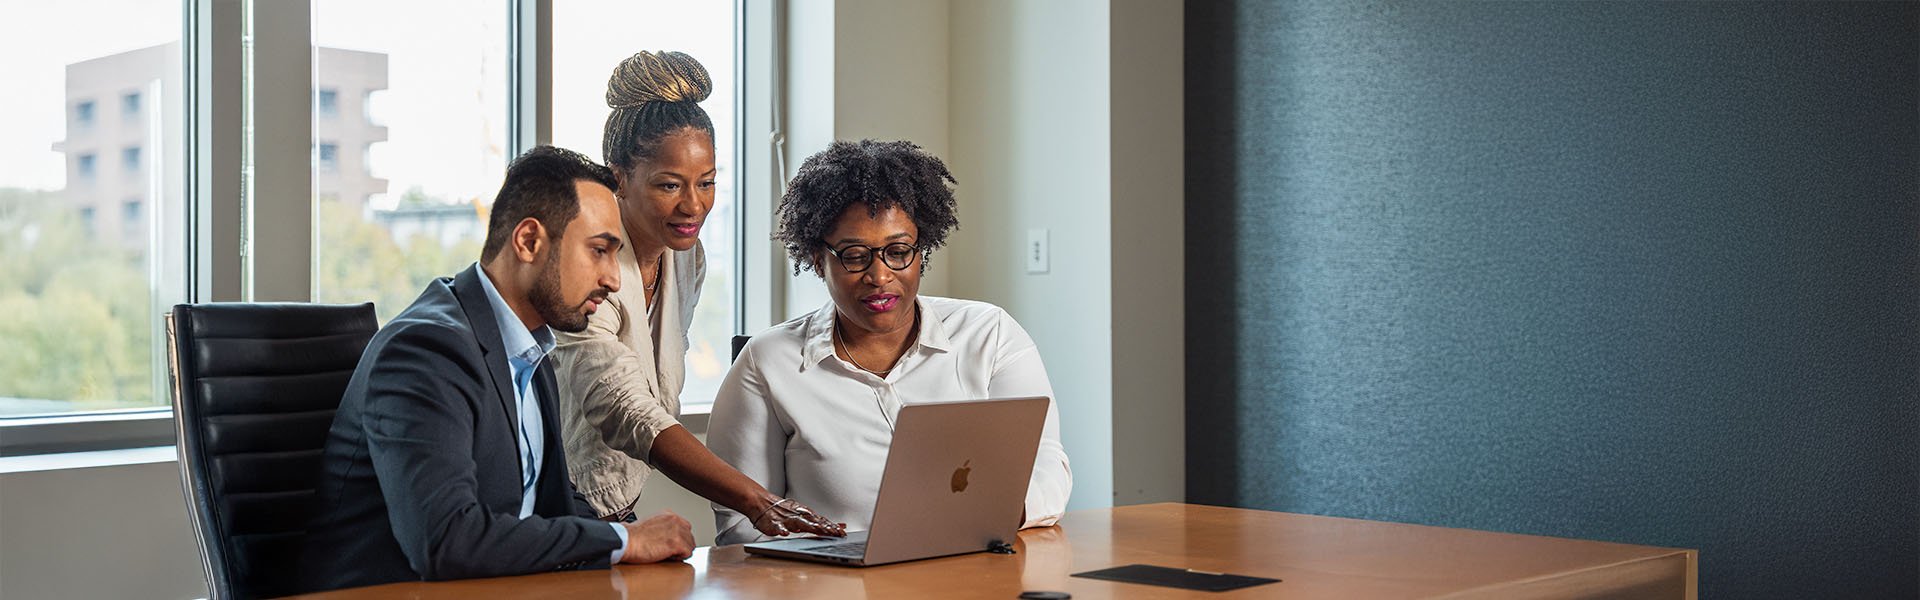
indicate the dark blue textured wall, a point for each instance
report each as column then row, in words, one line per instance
column 1645, row 272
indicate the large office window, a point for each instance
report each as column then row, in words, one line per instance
column 433, row 132
column 411, row 137
column 89, row 261
column 590, row 38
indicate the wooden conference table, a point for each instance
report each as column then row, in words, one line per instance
column 1314, row 557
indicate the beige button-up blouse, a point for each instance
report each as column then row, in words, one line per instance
column 620, row 379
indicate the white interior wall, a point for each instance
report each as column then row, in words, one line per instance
column 1149, row 260
column 891, row 61
column 1029, row 118
column 121, row 531
column 101, row 532
column 863, row 69
column 808, row 120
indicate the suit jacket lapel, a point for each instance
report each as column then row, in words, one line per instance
column 486, row 328
column 550, row 489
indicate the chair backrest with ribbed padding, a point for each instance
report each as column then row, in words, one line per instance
column 255, row 386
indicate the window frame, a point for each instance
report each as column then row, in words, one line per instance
column 227, row 261
column 759, row 49
column 120, row 429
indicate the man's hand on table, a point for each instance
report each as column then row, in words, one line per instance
column 663, row 536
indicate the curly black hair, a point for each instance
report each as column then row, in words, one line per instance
column 875, row 174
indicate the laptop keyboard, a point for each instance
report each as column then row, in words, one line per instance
column 849, row 549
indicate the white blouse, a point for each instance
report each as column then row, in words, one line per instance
column 809, row 426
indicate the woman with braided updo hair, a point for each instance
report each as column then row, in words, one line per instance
column 620, row 380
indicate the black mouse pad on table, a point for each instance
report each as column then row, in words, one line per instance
column 1176, row 578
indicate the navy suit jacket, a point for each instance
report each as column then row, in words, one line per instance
column 421, row 477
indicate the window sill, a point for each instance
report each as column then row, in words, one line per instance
column 694, row 417
column 86, row 432
column 86, row 460
column 82, row 442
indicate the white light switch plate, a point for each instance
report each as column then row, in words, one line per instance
column 1039, row 251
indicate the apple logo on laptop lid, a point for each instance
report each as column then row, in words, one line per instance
column 960, row 477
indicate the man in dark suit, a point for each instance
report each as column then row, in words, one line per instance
column 445, row 460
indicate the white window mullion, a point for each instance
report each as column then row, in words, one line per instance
column 281, row 204
column 531, row 52
column 214, row 234
column 762, row 289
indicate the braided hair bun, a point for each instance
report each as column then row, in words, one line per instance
column 657, row 77
column 653, row 95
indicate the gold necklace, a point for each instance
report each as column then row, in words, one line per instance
column 656, row 275
column 837, row 345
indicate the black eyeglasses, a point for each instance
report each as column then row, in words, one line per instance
column 857, row 258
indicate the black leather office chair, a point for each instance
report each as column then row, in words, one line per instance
column 255, row 387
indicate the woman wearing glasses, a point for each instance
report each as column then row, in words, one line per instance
column 808, row 408
column 620, row 379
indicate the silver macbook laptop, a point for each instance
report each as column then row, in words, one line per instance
column 955, row 482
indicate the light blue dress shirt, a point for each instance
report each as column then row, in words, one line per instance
column 525, row 349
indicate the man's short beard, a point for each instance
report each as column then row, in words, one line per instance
column 547, row 301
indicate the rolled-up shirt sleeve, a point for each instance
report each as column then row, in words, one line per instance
column 616, row 395
column 1018, row 371
column 744, row 431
